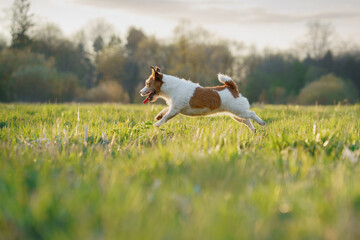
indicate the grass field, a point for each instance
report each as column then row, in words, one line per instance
column 104, row 172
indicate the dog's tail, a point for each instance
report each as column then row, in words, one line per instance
column 227, row 81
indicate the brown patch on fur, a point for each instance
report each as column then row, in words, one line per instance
column 162, row 113
column 159, row 117
column 231, row 86
column 205, row 98
column 155, row 82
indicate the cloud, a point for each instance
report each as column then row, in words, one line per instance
column 208, row 11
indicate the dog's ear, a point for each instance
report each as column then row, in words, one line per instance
column 156, row 72
column 155, row 69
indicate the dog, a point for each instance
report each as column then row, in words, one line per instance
column 191, row 99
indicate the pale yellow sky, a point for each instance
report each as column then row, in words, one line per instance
column 276, row 23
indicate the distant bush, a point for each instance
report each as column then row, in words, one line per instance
column 40, row 83
column 28, row 76
column 11, row 61
column 108, row 91
column 329, row 89
column 314, row 73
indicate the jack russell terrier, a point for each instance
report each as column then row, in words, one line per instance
column 191, row 99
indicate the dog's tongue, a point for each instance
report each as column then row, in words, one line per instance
column 147, row 99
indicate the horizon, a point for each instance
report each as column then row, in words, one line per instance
column 277, row 25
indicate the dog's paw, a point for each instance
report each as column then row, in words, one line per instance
column 262, row 123
column 157, row 124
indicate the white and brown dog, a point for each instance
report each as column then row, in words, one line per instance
column 191, row 99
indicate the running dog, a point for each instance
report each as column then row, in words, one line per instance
column 191, row 99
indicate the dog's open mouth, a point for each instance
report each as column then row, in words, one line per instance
column 150, row 96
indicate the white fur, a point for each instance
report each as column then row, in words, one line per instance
column 224, row 78
column 178, row 92
column 144, row 91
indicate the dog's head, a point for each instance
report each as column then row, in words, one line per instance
column 152, row 85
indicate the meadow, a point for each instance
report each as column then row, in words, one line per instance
column 82, row 171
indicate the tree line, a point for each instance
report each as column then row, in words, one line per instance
column 41, row 65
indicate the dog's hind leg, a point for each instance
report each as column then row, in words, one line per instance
column 246, row 121
column 162, row 113
column 252, row 115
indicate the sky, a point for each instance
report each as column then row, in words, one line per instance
column 263, row 23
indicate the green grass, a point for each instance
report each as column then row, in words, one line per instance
column 195, row 178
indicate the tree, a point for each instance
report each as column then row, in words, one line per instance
column 318, row 38
column 197, row 55
column 134, row 37
column 45, row 39
column 48, row 33
column 2, row 43
column 21, row 24
column 273, row 78
column 114, row 41
column 110, row 65
column 98, row 44
column 100, row 32
column 347, row 65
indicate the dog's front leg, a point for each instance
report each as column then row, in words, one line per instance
column 162, row 113
column 169, row 115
